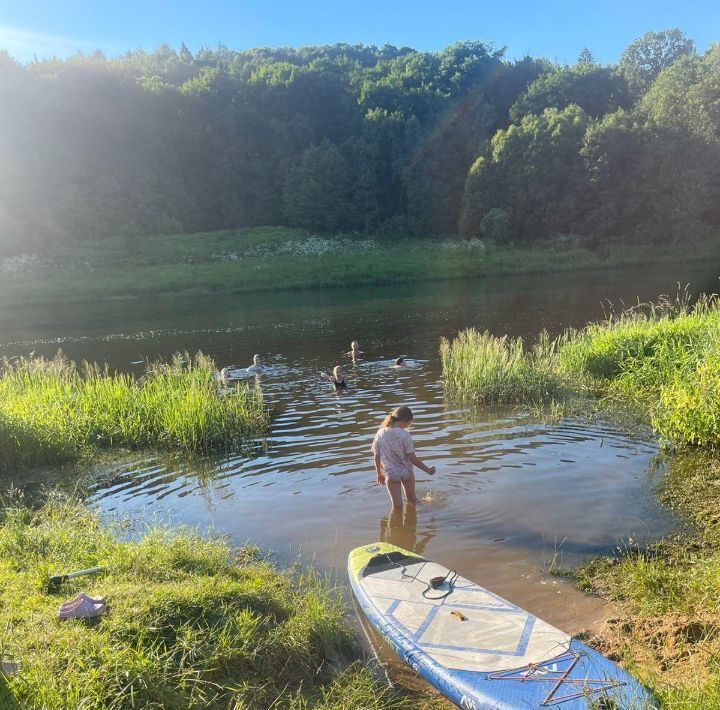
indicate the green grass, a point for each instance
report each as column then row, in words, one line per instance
column 660, row 360
column 190, row 623
column 666, row 624
column 482, row 369
column 187, row 264
column 52, row 411
column 664, row 358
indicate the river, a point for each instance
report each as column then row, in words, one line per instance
column 511, row 495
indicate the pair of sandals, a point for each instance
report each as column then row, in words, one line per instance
column 82, row 607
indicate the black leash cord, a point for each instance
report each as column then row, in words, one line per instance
column 450, row 578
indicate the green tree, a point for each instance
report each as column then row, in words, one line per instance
column 586, row 57
column 316, row 190
column 597, row 90
column 647, row 56
column 535, row 173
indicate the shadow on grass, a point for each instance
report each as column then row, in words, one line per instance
column 7, row 699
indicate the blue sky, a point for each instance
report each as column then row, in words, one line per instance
column 556, row 29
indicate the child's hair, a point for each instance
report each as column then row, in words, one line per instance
column 399, row 414
column 337, row 371
column 355, row 345
column 400, row 361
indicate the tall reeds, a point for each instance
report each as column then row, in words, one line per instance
column 663, row 358
column 53, row 411
column 481, row 368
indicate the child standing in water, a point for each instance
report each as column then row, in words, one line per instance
column 395, row 457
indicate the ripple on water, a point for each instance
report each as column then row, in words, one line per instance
column 509, row 492
column 504, row 476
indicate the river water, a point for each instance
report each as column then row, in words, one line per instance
column 511, row 494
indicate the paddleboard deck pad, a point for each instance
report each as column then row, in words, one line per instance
column 479, row 650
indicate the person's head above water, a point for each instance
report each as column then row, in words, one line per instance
column 338, row 373
column 354, row 345
column 402, row 416
column 257, row 360
column 400, row 361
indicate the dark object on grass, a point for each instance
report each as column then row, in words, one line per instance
column 55, row 581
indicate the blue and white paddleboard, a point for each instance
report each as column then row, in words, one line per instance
column 476, row 648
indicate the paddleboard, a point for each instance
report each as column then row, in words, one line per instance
column 479, row 650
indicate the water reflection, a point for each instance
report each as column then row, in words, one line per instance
column 399, row 528
column 506, row 488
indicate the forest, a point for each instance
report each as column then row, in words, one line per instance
column 361, row 139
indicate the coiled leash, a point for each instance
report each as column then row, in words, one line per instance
column 437, row 582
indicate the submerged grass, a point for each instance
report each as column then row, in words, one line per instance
column 53, row 411
column 190, row 623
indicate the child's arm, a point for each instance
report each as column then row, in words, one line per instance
column 380, row 476
column 415, row 461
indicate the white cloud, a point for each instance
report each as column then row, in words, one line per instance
column 25, row 44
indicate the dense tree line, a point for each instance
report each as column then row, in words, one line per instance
column 357, row 138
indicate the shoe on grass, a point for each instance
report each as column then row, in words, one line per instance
column 81, row 608
column 82, row 597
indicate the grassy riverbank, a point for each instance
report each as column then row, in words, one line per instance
column 190, row 623
column 272, row 258
column 51, row 411
column 667, row 622
column 662, row 360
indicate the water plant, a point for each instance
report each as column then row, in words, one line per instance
column 53, row 411
column 483, row 369
column 190, row 622
column 660, row 359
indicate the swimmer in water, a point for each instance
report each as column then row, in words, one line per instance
column 223, row 376
column 257, row 367
column 355, row 351
column 400, row 362
column 337, row 378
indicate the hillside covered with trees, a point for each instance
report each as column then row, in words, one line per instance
column 363, row 139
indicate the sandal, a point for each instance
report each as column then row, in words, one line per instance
column 81, row 607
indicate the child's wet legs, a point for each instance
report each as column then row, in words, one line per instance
column 409, row 486
column 394, row 490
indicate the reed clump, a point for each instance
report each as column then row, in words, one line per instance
column 483, row 369
column 664, row 358
column 661, row 359
column 53, row 411
column 190, row 623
